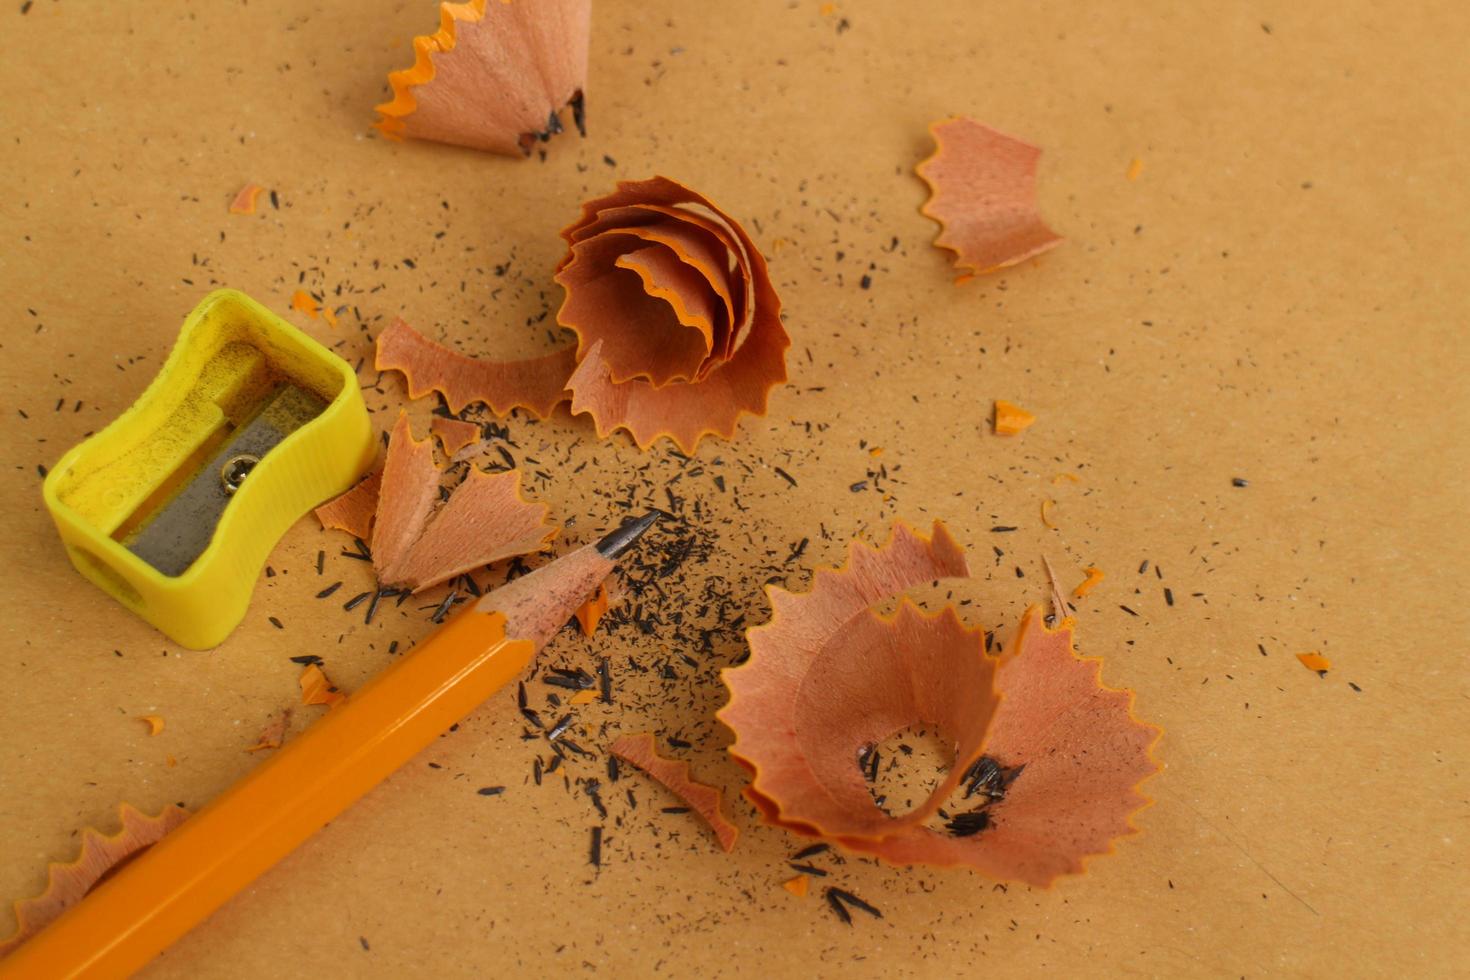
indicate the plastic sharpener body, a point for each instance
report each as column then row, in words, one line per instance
column 173, row 508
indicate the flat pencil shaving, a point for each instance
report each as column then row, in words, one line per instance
column 244, row 202
column 640, row 751
column 453, row 434
column 982, row 187
column 316, row 688
column 1011, row 419
column 353, row 511
column 537, row 384
column 678, row 324
column 1047, row 760
column 494, row 76
column 485, row 519
column 68, row 883
column 273, row 735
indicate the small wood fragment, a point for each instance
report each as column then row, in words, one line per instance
column 1011, row 419
column 244, row 202
column 797, row 886
column 1316, row 662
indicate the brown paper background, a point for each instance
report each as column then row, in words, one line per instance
column 1278, row 297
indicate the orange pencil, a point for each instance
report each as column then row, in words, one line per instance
column 198, row 866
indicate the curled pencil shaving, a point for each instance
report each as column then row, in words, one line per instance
column 536, row 384
column 1055, row 756
column 639, row 750
column 1073, row 755
column 678, row 324
column 353, row 511
column 317, row 689
column 68, row 883
column 983, row 194
column 154, row 723
column 828, row 678
column 453, row 434
column 485, row 519
column 494, row 76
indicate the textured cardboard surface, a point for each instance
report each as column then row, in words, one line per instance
column 1277, row 297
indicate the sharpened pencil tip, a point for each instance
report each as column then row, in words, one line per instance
column 624, row 537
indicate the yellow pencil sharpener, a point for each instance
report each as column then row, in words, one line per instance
column 173, row 508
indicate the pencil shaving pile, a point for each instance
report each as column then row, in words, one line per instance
column 1049, row 757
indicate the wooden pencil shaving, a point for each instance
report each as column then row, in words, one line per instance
column 537, row 384
column 244, row 202
column 1094, row 577
column 639, row 750
column 317, row 689
column 678, row 326
column 68, row 883
column 453, row 434
column 495, row 76
column 417, row 541
column 485, row 519
column 1048, row 759
column 353, row 511
column 590, row 613
column 983, row 194
column 273, row 735
column 1010, row 419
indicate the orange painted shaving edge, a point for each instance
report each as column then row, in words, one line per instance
column 1094, row 576
column 797, row 886
column 422, row 70
column 154, row 723
column 590, row 613
column 1314, row 661
column 639, row 750
column 316, row 688
column 68, row 883
column 1011, row 419
column 244, row 202
column 302, row 300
